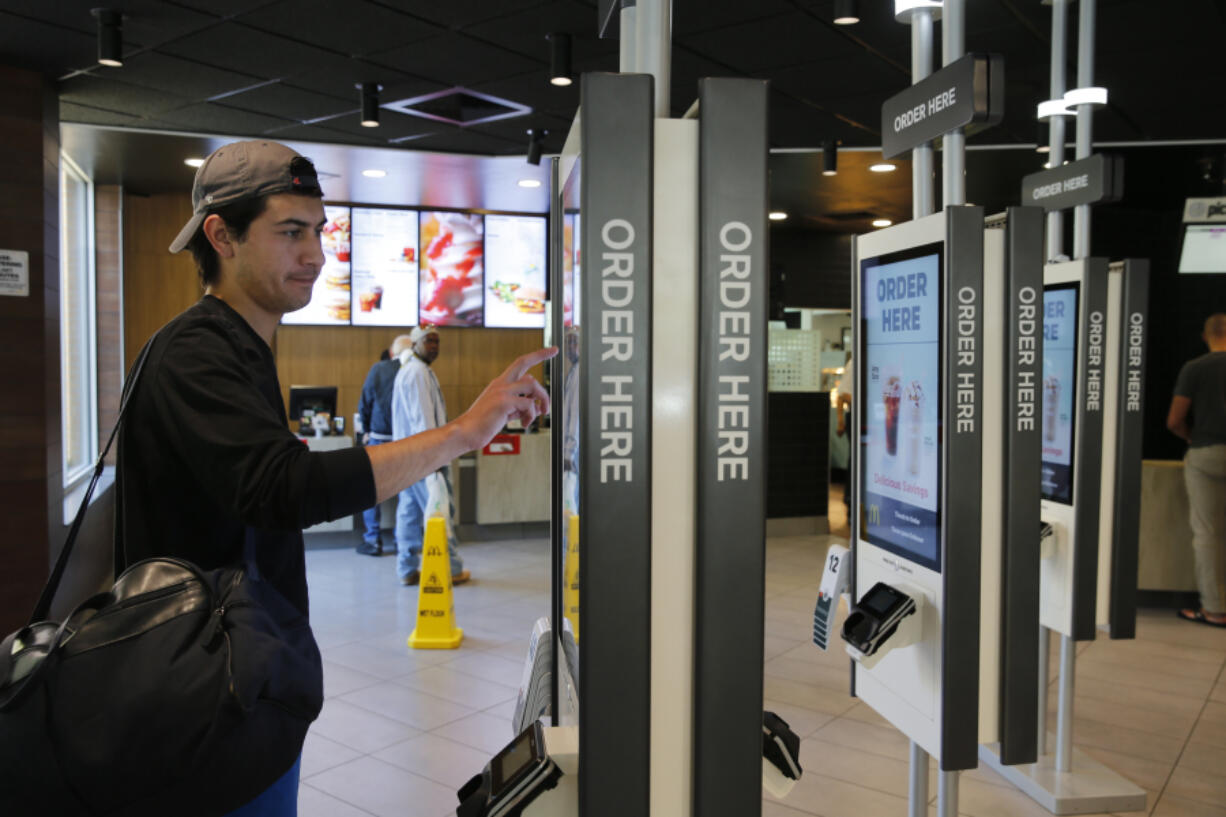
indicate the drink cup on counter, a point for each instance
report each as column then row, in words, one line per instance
column 891, row 395
column 378, row 293
column 1051, row 407
column 915, row 424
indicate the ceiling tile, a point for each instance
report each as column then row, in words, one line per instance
column 216, row 118
column 289, row 102
column 226, row 8
column 525, row 33
column 771, row 43
column 454, row 59
column 694, row 17
column 362, row 27
column 41, row 46
column 70, row 112
column 460, row 14
column 100, row 92
column 339, row 77
column 180, row 77
column 247, row 50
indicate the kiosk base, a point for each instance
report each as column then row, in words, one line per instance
column 1090, row 787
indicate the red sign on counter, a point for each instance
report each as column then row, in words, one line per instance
column 502, row 444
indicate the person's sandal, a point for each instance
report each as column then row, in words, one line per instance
column 413, row 578
column 1199, row 617
column 461, row 577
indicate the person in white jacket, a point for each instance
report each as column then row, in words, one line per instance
column 417, row 405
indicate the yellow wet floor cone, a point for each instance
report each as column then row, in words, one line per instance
column 435, row 628
column 570, row 588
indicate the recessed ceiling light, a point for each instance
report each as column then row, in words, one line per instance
column 882, row 222
column 830, row 172
column 529, row 183
column 193, row 162
column 561, row 82
column 777, row 215
column 374, row 173
column 883, row 167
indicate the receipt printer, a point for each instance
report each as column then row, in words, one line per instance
column 780, row 755
column 515, row 777
column 877, row 617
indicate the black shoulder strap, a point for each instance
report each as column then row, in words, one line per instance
column 43, row 608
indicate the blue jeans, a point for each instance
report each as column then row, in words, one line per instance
column 278, row 800
column 410, row 528
column 371, row 516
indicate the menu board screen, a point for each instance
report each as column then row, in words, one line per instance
column 451, row 267
column 384, row 267
column 900, row 403
column 1059, row 388
column 515, row 271
column 330, row 298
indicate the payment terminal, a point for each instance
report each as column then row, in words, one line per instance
column 515, row 777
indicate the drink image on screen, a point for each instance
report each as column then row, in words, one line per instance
column 1051, row 406
column 915, row 422
column 891, row 395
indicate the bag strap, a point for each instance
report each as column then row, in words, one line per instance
column 43, row 608
column 12, row 694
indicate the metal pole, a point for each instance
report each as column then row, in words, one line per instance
column 1085, row 114
column 947, row 787
column 1059, row 37
column 953, row 159
column 1044, row 679
column 921, row 157
column 917, row 786
column 1064, row 717
column 655, row 33
column 627, row 53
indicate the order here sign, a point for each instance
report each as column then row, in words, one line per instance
column 968, row 91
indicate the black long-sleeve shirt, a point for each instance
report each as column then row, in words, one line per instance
column 206, row 457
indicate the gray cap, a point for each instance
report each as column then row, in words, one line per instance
column 244, row 170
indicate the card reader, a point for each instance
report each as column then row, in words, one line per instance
column 875, row 617
column 515, row 777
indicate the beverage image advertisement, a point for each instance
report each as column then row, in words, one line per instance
column 331, row 297
column 1059, row 389
column 515, row 271
column 900, row 407
column 452, row 269
column 384, row 258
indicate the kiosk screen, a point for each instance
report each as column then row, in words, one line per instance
column 1059, row 387
column 900, row 403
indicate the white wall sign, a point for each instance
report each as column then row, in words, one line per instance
column 14, row 272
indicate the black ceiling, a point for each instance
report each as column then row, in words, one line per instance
column 287, row 68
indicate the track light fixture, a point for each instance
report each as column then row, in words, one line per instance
column 110, row 37
column 830, row 157
column 370, row 104
column 1043, row 140
column 559, row 58
column 846, row 12
column 536, row 143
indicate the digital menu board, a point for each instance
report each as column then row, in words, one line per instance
column 515, row 271
column 900, row 403
column 330, row 298
column 451, row 269
column 385, row 262
column 1059, row 389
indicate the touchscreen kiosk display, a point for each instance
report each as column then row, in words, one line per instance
column 452, row 269
column 1059, row 388
column 330, row 297
column 900, row 403
column 384, row 267
column 515, row 271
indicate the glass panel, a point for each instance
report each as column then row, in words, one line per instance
column 78, row 398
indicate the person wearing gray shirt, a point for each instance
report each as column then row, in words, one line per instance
column 1198, row 415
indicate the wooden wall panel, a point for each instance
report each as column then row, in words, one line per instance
column 158, row 286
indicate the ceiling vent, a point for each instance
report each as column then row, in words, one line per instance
column 459, row 106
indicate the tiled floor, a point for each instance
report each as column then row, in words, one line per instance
column 401, row 729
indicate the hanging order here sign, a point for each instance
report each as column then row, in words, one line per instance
column 967, row 92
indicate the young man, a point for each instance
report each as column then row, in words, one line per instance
column 1198, row 415
column 208, row 469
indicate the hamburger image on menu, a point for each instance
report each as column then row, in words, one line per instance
column 336, row 243
column 451, row 269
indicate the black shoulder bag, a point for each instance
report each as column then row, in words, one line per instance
column 180, row 691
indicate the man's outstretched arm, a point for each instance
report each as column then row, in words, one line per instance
column 513, row 394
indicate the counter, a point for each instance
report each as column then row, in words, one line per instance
column 1165, row 561
column 513, row 486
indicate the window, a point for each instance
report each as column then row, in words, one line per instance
column 78, row 391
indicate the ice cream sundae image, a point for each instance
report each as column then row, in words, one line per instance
column 891, row 394
column 452, row 270
column 915, row 420
column 335, row 237
column 1051, row 406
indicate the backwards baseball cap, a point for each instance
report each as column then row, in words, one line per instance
column 245, row 170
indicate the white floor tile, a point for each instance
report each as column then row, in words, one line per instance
column 481, row 731
column 407, row 705
column 314, row 803
column 437, row 758
column 360, row 728
column 385, row 790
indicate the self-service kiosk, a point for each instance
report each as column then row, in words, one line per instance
column 914, row 628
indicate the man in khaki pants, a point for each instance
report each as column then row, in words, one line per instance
column 1198, row 415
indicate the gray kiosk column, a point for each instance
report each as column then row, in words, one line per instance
column 615, row 449
column 731, row 449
